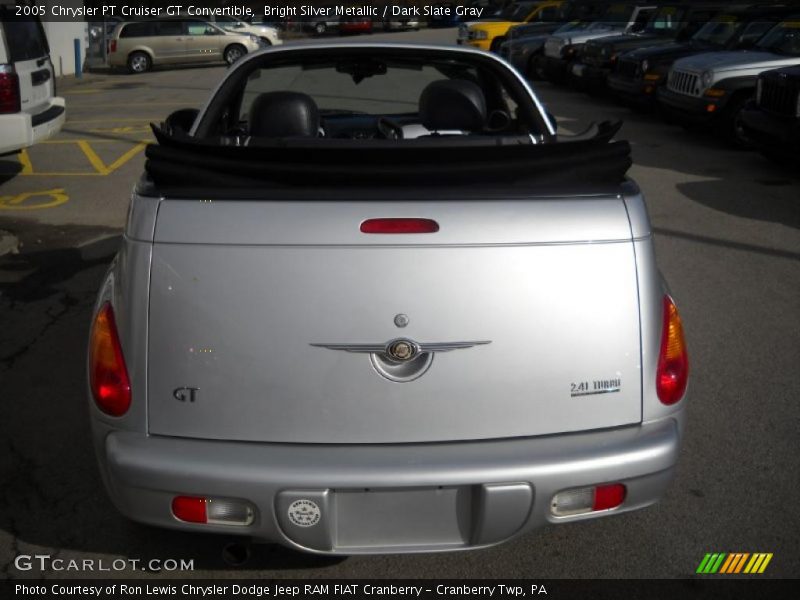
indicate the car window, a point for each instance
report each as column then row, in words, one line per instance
column 718, row 31
column 167, row 28
column 666, row 19
column 137, row 30
column 783, row 39
column 754, row 31
column 25, row 37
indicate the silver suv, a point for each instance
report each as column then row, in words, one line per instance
column 712, row 89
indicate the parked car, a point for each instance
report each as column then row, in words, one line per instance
column 673, row 22
column 400, row 15
column 525, row 42
column 711, row 90
column 639, row 73
column 30, row 111
column 268, row 34
column 318, row 25
column 490, row 34
column 355, row 25
column 141, row 45
column 412, row 318
column 772, row 120
column 562, row 48
column 452, row 14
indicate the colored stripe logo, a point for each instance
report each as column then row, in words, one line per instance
column 734, row 562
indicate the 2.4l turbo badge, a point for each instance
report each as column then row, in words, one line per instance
column 597, row 386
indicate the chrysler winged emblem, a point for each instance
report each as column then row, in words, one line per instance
column 403, row 349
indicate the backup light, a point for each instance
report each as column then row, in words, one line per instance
column 213, row 511
column 672, row 372
column 584, row 500
column 108, row 377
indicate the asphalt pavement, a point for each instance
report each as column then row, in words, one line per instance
column 727, row 228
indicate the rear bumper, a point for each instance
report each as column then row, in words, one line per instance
column 20, row 130
column 388, row 498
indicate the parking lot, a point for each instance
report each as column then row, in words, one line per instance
column 727, row 226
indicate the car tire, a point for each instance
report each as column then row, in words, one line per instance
column 139, row 62
column 320, row 28
column 532, row 70
column 731, row 127
column 233, row 53
column 496, row 43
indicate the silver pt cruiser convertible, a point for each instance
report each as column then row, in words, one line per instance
column 369, row 301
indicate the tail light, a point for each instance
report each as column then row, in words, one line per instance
column 399, row 226
column 213, row 511
column 584, row 500
column 10, row 101
column 672, row 373
column 112, row 47
column 108, row 376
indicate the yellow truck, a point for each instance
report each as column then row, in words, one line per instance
column 489, row 35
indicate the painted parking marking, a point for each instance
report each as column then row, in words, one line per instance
column 34, row 200
column 99, row 166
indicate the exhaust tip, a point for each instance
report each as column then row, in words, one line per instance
column 236, row 554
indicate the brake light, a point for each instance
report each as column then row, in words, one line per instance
column 579, row 501
column 108, row 376
column 112, row 47
column 399, row 226
column 10, row 101
column 672, row 373
column 213, row 511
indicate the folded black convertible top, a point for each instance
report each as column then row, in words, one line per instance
column 179, row 162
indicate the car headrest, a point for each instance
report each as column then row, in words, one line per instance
column 284, row 114
column 453, row 104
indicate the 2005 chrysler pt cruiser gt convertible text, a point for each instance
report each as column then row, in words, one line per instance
column 362, row 306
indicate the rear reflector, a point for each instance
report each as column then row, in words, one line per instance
column 108, row 377
column 588, row 499
column 10, row 99
column 112, row 47
column 213, row 511
column 399, row 226
column 672, row 373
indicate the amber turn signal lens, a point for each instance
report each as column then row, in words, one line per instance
column 672, row 373
column 108, row 377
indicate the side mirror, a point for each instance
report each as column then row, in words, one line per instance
column 181, row 120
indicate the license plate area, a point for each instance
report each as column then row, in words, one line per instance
column 368, row 520
column 424, row 517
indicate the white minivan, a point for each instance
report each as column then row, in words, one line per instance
column 29, row 109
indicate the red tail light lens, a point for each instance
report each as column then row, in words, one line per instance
column 608, row 496
column 108, row 376
column 10, row 101
column 673, row 361
column 190, row 509
column 399, row 226
column 112, row 46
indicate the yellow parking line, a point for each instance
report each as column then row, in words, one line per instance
column 98, row 164
column 126, row 157
column 55, row 197
column 25, row 161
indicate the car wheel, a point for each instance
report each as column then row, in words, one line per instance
column 320, row 28
column 732, row 127
column 533, row 71
column 139, row 62
column 234, row 52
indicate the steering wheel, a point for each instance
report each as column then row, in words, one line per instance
column 389, row 129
